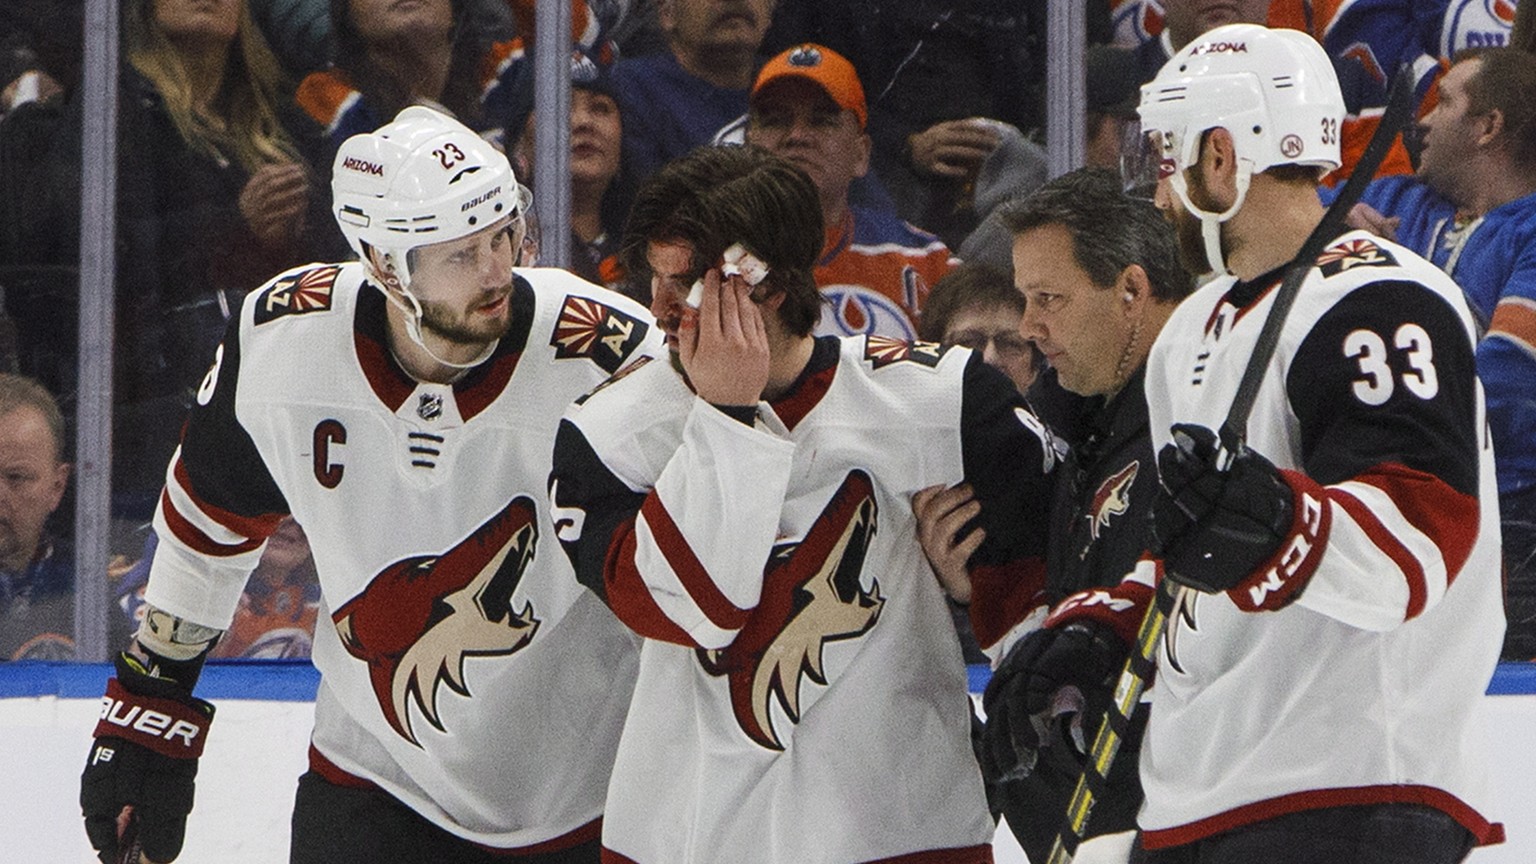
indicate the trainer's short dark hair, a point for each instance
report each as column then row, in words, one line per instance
column 1110, row 230
column 716, row 196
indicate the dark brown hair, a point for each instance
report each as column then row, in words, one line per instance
column 1110, row 230
column 716, row 196
column 968, row 286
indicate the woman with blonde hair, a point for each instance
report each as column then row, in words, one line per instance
column 216, row 194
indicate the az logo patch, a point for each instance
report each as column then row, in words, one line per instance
column 307, row 291
column 597, row 332
column 1351, row 254
column 882, row 351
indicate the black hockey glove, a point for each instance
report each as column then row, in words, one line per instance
column 1216, row 526
column 148, row 740
column 1029, row 690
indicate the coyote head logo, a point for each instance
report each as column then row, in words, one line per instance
column 420, row 617
column 811, row 596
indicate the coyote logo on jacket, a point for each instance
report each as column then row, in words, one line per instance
column 420, row 617
column 811, row 596
column 1112, row 498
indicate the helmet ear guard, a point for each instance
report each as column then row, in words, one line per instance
column 1274, row 91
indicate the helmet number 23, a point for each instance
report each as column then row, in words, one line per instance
column 449, row 155
column 1376, row 381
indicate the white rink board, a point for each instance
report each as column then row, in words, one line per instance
column 257, row 750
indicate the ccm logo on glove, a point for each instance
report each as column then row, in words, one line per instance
column 163, row 725
column 1296, row 558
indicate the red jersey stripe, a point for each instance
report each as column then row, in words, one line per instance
column 720, row 611
column 258, row 527
column 1389, row 545
column 194, row 537
column 1487, row 833
column 629, row 596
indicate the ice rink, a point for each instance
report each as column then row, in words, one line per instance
column 257, row 750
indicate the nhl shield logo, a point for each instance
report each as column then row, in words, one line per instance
column 430, row 406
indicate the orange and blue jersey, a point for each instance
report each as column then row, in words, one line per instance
column 1493, row 259
column 875, row 272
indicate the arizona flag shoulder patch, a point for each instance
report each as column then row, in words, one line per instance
column 1351, row 254
column 298, row 293
column 882, row 351
column 597, row 332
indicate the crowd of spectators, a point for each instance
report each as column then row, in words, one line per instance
column 916, row 121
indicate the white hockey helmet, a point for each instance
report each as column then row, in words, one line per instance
column 422, row 178
column 1275, row 91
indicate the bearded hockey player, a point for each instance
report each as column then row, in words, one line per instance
column 402, row 408
column 1319, row 688
column 746, row 509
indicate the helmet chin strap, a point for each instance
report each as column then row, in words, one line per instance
column 1210, row 223
column 412, row 314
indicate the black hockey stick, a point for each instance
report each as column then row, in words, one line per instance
column 1142, row 664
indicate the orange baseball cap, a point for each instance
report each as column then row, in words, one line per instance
column 822, row 66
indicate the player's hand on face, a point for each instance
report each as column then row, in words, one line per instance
column 723, row 344
column 942, row 512
column 274, row 202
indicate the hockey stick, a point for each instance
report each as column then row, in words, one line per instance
column 1142, row 664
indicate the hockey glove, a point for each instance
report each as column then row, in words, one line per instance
column 148, row 740
column 1215, row 526
column 1051, row 672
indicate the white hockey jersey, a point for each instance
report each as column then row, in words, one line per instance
column 801, row 694
column 463, row 668
column 1368, row 687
